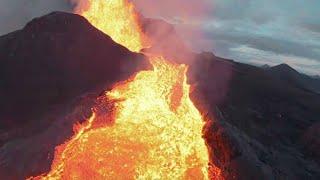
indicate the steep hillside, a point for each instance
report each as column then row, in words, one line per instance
column 56, row 58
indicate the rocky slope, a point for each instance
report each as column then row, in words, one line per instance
column 264, row 127
column 289, row 75
column 54, row 59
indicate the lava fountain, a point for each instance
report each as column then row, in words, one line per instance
column 156, row 132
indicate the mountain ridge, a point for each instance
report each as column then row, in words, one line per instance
column 40, row 62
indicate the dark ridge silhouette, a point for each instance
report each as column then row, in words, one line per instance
column 316, row 77
column 289, row 75
column 265, row 66
column 54, row 59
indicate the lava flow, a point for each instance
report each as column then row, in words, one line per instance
column 157, row 130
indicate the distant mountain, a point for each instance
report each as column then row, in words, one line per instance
column 265, row 66
column 293, row 77
column 316, row 77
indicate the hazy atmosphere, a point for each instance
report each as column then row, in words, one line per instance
column 159, row 89
column 251, row 31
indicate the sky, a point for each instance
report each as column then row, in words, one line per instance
column 251, row 31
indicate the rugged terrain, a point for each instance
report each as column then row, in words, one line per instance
column 264, row 121
column 53, row 60
column 265, row 126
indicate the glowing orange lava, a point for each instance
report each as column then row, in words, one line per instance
column 116, row 18
column 157, row 131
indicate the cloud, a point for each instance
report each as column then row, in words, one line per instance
column 230, row 10
column 14, row 14
column 269, row 27
column 174, row 9
column 260, row 57
column 286, row 28
column 271, row 44
column 283, row 30
column 313, row 27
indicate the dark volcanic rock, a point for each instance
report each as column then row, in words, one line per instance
column 56, row 58
column 47, row 70
column 311, row 142
column 32, row 155
column 263, row 127
column 292, row 77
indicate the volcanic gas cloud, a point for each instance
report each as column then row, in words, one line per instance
column 154, row 132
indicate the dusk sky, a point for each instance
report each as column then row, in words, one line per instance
column 250, row 31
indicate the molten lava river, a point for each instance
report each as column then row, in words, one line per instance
column 156, row 132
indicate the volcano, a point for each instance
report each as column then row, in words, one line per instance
column 72, row 75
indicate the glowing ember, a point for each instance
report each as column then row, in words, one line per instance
column 157, row 131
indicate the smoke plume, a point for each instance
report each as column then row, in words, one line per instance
column 186, row 16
